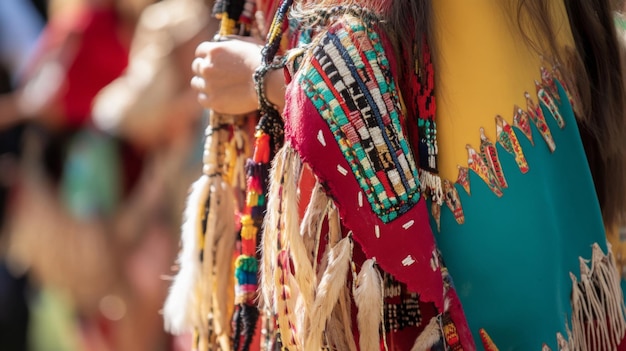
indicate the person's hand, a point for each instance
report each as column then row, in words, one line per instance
column 223, row 75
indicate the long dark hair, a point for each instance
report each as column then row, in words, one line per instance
column 596, row 64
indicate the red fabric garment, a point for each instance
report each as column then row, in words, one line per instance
column 399, row 340
column 404, row 246
column 93, row 51
column 92, row 46
column 100, row 57
column 395, row 243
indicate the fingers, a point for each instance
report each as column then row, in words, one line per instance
column 198, row 65
column 204, row 100
column 202, row 69
column 223, row 75
column 204, row 48
column 205, row 55
column 198, row 83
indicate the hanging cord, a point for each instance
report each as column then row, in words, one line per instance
column 268, row 139
column 275, row 34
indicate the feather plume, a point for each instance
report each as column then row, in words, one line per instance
column 313, row 218
column 303, row 268
column 368, row 297
column 339, row 334
column 333, row 238
column 333, row 280
column 429, row 336
column 280, row 293
column 336, row 334
column 270, row 232
column 344, row 307
column 219, row 225
column 300, row 315
column 323, row 263
column 181, row 302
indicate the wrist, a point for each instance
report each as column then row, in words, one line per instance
column 275, row 88
column 270, row 85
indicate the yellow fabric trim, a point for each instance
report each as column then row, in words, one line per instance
column 483, row 67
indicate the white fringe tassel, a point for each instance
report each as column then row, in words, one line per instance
column 563, row 345
column 598, row 322
column 432, row 183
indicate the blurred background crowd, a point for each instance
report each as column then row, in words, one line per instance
column 100, row 137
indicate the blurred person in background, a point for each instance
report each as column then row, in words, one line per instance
column 108, row 221
column 73, row 177
column 20, row 25
column 152, row 106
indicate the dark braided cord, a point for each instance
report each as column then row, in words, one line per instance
column 275, row 34
column 271, row 123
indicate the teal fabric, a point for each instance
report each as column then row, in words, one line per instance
column 511, row 259
column 92, row 185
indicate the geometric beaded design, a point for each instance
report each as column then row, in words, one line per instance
column 401, row 307
column 354, row 92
